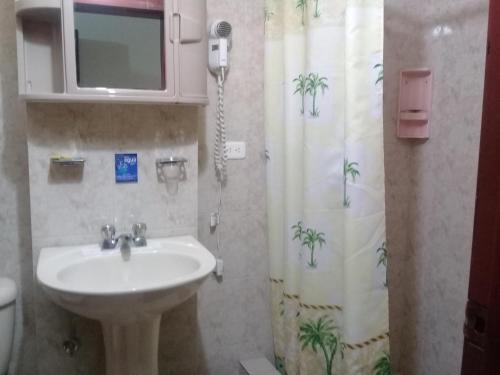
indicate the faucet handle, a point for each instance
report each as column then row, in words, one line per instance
column 108, row 232
column 139, row 229
column 139, row 232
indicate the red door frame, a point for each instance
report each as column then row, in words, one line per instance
column 482, row 328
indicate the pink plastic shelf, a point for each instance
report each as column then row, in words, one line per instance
column 415, row 101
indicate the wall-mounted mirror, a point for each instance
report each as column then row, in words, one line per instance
column 119, row 47
column 120, row 44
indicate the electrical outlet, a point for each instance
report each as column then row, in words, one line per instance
column 236, row 150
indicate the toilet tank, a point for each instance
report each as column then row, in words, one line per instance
column 7, row 314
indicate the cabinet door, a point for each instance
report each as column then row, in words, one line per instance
column 118, row 47
column 193, row 53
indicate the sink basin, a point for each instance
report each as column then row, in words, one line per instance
column 126, row 294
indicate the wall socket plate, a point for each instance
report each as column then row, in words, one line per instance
column 236, row 150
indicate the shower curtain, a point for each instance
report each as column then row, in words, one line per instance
column 326, row 210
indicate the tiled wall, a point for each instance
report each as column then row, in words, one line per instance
column 69, row 205
column 15, row 242
column 239, row 322
column 431, row 185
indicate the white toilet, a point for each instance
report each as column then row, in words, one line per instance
column 7, row 311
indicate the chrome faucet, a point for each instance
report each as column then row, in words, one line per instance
column 110, row 241
column 124, row 240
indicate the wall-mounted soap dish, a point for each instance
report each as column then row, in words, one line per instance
column 67, row 162
column 171, row 170
column 415, row 101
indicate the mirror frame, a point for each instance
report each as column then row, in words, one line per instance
column 71, row 66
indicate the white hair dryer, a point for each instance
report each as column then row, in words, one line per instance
column 219, row 45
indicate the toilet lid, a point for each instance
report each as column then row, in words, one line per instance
column 8, row 291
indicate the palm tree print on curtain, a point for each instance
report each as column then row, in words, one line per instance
column 315, row 83
column 316, row 9
column 322, row 338
column 324, row 138
column 310, row 238
column 382, row 259
column 350, row 170
column 268, row 14
column 300, row 88
column 311, row 85
column 380, row 76
column 383, row 365
column 302, row 6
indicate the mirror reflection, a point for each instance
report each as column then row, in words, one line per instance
column 120, row 44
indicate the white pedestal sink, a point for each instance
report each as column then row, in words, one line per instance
column 126, row 296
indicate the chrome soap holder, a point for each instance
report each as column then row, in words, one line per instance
column 171, row 170
column 67, row 162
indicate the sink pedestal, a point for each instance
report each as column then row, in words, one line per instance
column 132, row 348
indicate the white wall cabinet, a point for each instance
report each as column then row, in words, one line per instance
column 149, row 51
